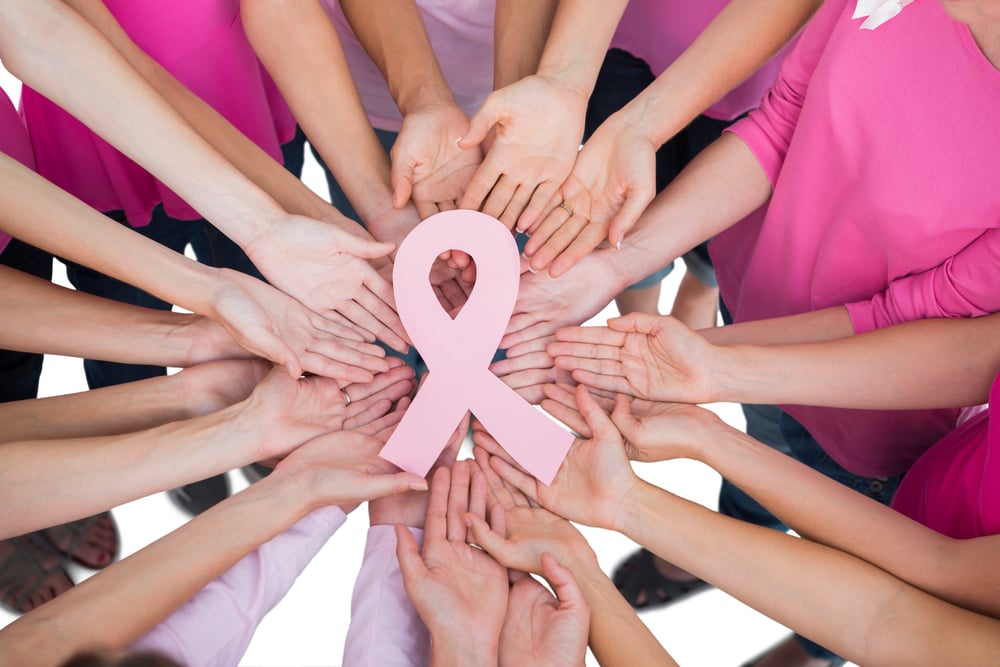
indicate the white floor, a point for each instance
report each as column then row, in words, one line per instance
column 309, row 626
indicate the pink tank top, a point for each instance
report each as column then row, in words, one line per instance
column 13, row 142
column 658, row 31
column 200, row 42
column 954, row 487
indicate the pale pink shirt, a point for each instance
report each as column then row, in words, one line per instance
column 200, row 42
column 658, row 31
column 883, row 147
column 13, row 142
column 461, row 34
column 954, row 488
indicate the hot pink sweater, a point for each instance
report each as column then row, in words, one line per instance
column 13, row 142
column 882, row 146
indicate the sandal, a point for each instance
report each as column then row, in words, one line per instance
column 31, row 573
column 638, row 575
column 90, row 542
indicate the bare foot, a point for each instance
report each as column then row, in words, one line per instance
column 31, row 574
column 696, row 304
column 91, row 542
column 641, row 300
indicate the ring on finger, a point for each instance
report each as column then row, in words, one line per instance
column 347, row 397
column 566, row 208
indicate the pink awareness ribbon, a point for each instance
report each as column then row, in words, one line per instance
column 458, row 352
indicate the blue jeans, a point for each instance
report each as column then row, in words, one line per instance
column 623, row 77
column 21, row 371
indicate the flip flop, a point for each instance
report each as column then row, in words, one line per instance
column 31, row 573
column 92, row 542
column 638, row 575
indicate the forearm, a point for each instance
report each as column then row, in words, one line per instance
column 290, row 192
column 720, row 187
column 618, row 637
column 744, row 35
column 47, row 482
column 295, row 40
column 829, row 513
column 172, row 570
column 520, row 29
column 102, row 328
column 59, row 54
column 578, row 42
column 809, row 587
column 925, row 364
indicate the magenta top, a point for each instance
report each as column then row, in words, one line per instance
column 200, row 42
column 658, row 31
column 461, row 34
column 955, row 487
column 13, row 142
column 882, row 149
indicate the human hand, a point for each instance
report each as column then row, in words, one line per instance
column 343, row 469
column 215, row 385
column 459, row 591
column 283, row 413
column 594, row 481
column 428, row 164
column 611, row 184
column 275, row 326
column 545, row 304
column 528, row 368
column 327, row 270
column 538, row 125
column 646, row 356
column 544, row 629
column 209, row 341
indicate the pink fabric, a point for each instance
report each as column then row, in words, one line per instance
column 202, row 43
column 658, row 31
column 461, row 33
column 385, row 628
column 216, row 625
column 882, row 147
column 13, row 142
column 955, row 487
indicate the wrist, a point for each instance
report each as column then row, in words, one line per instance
column 423, row 96
column 634, row 512
column 449, row 649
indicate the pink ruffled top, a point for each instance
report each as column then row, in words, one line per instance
column 882, row 149
column 13, row 142
column 658, row 31
column 200, row 42
column 955, row 487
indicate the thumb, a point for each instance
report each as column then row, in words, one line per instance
column 411, row 565
column 563, row 583
column 635, row 204
column 635, row 322
column 361, row 247
column 485, row 537
column 623, row 418
column 377, row 486
column 401, row 178
column 481, row 124
column 599, row 422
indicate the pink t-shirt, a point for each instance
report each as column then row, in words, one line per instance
column 658, row 31
column 13, row 142
column 955, row 487
column 200, row 42
column 461, row 33
column 882, row 146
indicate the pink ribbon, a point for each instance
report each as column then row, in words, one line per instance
column 458, row 352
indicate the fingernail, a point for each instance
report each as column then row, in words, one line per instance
column 619, row 244
column 459, row 140
column 418, row 486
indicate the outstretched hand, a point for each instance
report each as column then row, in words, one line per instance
column 328, row 270
column 645, row 356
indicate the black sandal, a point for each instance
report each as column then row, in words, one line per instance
column 29, row 566
column 638, row 575
column 68, row 538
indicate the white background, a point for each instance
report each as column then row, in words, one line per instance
column 309, row 626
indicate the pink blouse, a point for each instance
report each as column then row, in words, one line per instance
column 200, row 42
column 13, row 142
column 882, row 146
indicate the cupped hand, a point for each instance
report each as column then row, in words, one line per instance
column 541, row 628
column 459, row 591
column 537, row 125
column 595, row 479
column 273, row 325
column 528, row 367
column 545, row 304
column 216, row 385
column 427, row 163
column 611, row 184
column 328, row 270
column 640, row 355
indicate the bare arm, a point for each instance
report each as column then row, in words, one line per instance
column 520, row 30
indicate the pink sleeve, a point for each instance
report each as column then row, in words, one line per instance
column 385, row 628
column 768, row 129
column 964, row 285
column 216, row 625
